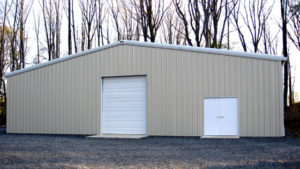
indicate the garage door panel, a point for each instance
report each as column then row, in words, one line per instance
column 112, row 98
column 120, row 99
column 134, row 123
column 136, row 127
column 131, row 93
column 124, row 105
column 124, row 115
column 120, row 117
column 122, row 85
column 124, row 100
column 127, row 111
column 125, row 89
column 123, row 94
column 127, row 131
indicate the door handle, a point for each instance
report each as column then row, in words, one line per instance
column 219, row 117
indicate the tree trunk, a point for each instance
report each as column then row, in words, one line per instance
column 82, row 36
column 184, row 20
column 228, row 35
column 73, row 29
column 69, row 28
column 22, row 36
column 5, row 101
column 284, row 50
column 291, row 98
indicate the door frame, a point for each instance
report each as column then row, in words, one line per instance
column 101, row 98
column 237, row 114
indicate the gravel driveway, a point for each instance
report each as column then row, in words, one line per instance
column 61, row 151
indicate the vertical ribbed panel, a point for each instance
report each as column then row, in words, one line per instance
column 65, row 97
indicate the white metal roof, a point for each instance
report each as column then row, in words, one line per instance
column 154, row 45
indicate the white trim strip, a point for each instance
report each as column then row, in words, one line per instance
column 206, row 50
column 61, row 59
column 220, row 137
column 154, row 45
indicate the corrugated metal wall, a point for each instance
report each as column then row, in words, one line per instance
column 65, row 97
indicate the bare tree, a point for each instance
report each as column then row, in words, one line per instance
column 57, row 28
column 4, row 31
column 70, row 5
column 155, row 13
column 52, row 23
column 107, row 34
column 203, row 18
column 270, row 43
column 3, row 52
column 167, row 28
column 183, row 16
column 18, row 38
column 37, row 25
column 125, row 19
column 238, row 27
column 22, row 33
column 172, row 28
column 83, row 35
column 207, row 12
column 13, row 38
column 294, row 23
column 130, row 28
column 100, row 20
column 73, row 26
column 88, row 10
column 284, row 19
column 213, row 10
column 229, row 6
column 68, row 8
column 256, row 15
column 23, row 15
column 150, row 16
column 115, row 11
column 293, row 33
column 140, row 17
column 291, row 89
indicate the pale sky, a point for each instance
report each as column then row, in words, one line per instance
column 273, row 20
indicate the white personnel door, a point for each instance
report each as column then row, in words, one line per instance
column 123, row 105
column 221, row 116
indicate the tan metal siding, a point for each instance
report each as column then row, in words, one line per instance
column 65, row 97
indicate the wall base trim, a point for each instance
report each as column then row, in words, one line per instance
column 126, row 136
column 221, row 137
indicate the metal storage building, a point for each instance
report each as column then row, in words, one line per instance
column 144, row 88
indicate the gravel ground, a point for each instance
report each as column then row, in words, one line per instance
column 62, row 151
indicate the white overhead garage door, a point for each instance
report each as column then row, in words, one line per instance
column 221, row 116
column 123, row 105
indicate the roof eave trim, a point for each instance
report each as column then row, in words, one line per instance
column 61, row 59
column 207, row 50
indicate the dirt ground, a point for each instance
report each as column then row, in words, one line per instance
column 292, row 120
column 62, row 151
